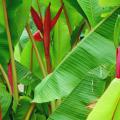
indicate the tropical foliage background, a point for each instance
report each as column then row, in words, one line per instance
column 82, row 58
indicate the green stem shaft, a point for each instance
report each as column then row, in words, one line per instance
column 27, row 117
column 14, row 74
column 67, row 18
column 36, row 51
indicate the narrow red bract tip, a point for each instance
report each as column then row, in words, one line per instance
column 55, row 19
column 37, row 36
column 37, row 19
column 118, row 62
column 47, row 25
column 10, row 76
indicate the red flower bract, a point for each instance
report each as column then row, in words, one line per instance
column 10, row 76
column 45, row 28
column 37, row 36
column 118, row 62
column 37, row 19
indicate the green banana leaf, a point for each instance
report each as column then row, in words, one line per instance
column 5, row 99
column 92, row 10
column 88, row 91
column 109, row 3
column 95, row 50
column 26, row 77
column 17, row 11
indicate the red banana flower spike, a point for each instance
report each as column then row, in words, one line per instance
column 48, row 25
column 37, row 36
column 46, row 36
column 37, row 19
column 55, row 19
column 10, row 76
column 45, row 27
column 0, row 113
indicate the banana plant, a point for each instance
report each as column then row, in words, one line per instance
column 60, row 59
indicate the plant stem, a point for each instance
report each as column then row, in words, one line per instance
column 11, row 52
column 67, row 18
column 27, row 117
column 41, row 67
column 36, row 51
column 6, row 79
column 31, row 59
column 53, row 106
column 48, row 62
column 79, row 32
column 58, row 102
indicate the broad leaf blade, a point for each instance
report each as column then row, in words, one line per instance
column 107, row 3
column 75, row 106
column 92, row 10
column 88, row 55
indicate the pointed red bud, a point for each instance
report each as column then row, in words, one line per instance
column 47, row 27
column 37, row 36
column 37, row 20
column 55, row 19
column 10, row 76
